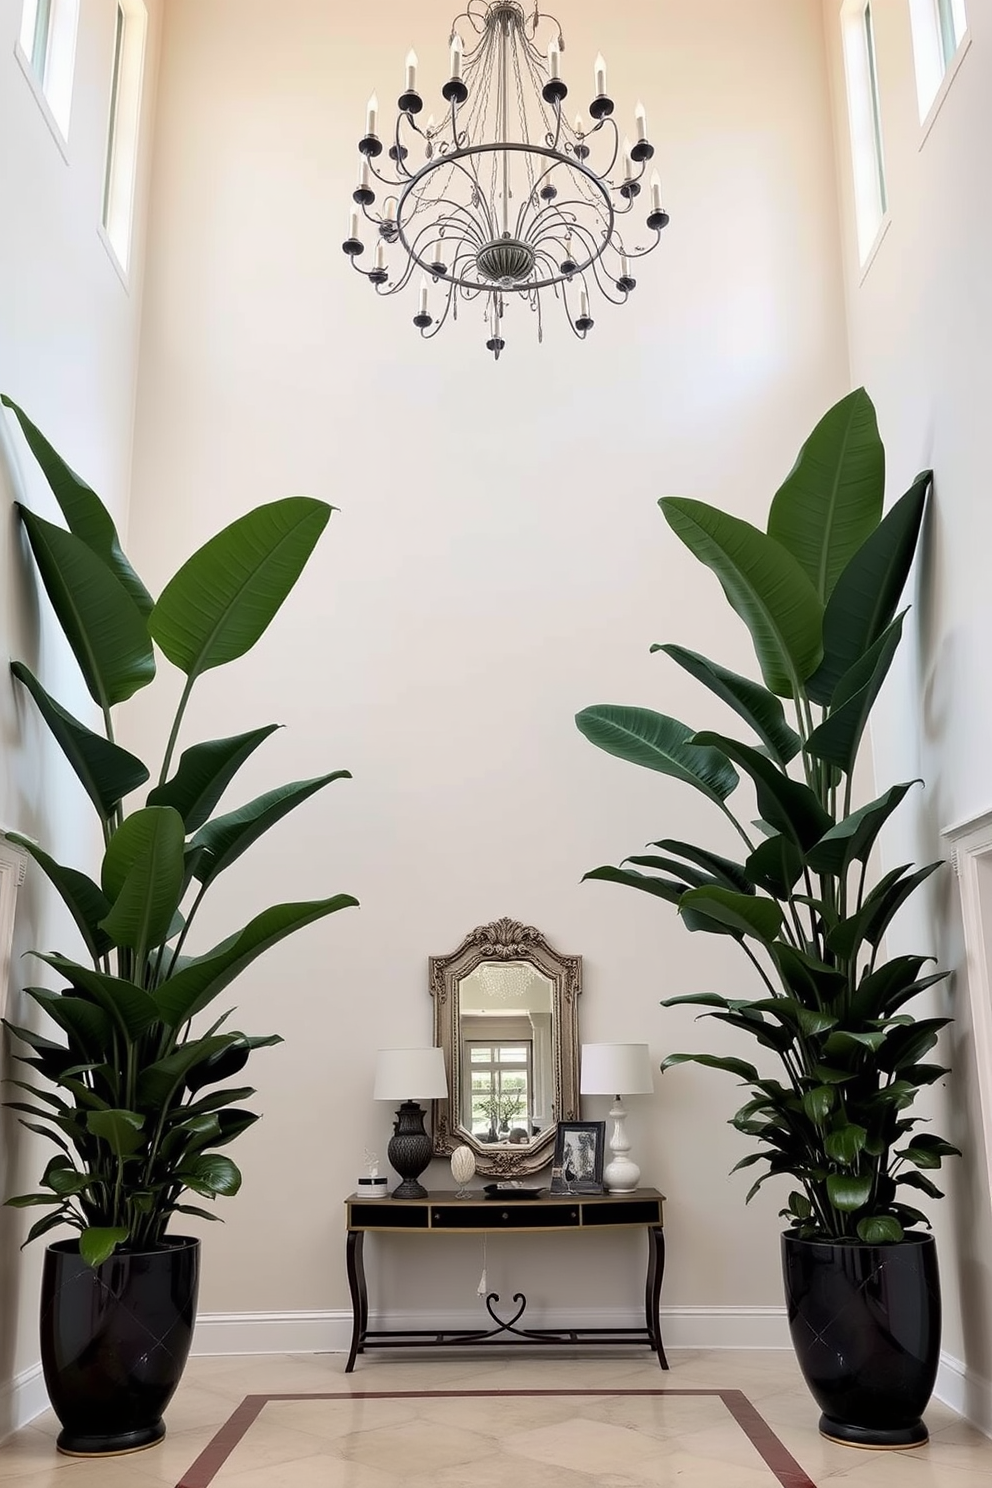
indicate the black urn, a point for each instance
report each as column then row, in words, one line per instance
column 114, row 1342
column 865, row 1324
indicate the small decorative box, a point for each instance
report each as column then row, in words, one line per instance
column 372, row 1187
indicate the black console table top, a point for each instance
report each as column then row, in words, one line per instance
column 444, row 1212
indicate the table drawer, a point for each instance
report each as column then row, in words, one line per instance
column 381, row 1214
column 498, row 1214
column 627, row 1211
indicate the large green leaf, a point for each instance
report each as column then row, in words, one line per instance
column 728, row 1063
column 776, row 865
column 103, row 625
column 121, row 1130
column 89, row 1029
column 747, row 914
column 182, row 996
column 159, row 1082
column 732, row 875
column 85, row 900
column 756, row 705
column 107, row 772
column 879, row 908
column 865, row 596
column 143, row 876
column 97, row 1243
column 223, row 598
column 764, row 584
column 127, row 1004
column 848, row 1191
column 838, row 737
column 831, row 500
column 223, row 1064
column 224, row 839
column 211, row 1174
column 660, row 743
column 204, row 773
column 82, row 508
column 853, row 838
column 787, row 805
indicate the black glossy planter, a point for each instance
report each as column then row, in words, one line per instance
column 114, row 1342
column 865, row 1324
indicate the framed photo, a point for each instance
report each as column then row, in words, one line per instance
column 577, row 1166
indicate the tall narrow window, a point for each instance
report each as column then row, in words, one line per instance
column 865, row 114
column 130, row 26
column 47, row 48
column 939, row 29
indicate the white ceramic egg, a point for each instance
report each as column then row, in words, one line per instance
column 462, row 1165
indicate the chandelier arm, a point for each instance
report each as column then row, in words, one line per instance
column 386, row 180
column 490, row 225
column 643, row 252
column 459, row 213
column 429, row 332
column 607, row 293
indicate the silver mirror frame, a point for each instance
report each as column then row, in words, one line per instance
column 507, row 940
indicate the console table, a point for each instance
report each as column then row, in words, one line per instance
column 446, row 1214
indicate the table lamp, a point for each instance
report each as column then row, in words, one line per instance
column 409, row 1076
column 617, row 1070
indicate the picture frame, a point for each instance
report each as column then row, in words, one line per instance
column 577, row 1166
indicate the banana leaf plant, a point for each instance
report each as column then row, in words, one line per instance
column 133, row 1094
column 819, row 592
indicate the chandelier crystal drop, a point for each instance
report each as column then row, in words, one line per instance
column 502, row 199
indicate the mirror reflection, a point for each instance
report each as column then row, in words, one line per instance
column 506, row 1042
column 506, row 1019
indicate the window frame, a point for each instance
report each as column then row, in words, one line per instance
column 46, row 51
column 123, row 134
column 941, row 38
column 864, row 108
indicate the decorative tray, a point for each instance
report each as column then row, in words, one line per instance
column 508, row 1191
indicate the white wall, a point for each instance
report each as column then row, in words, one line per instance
column 498, row 562
column 920, row 324
column 68, row 345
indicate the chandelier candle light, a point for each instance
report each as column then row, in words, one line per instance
column 617, row 1070
column 503, row 198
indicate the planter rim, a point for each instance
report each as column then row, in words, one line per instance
column 169, row 1243
column 911, row 1237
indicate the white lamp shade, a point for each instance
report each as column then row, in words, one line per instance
column 410, row 1074
column 616, row 1069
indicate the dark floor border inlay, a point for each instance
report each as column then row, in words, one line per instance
column 776, row 1455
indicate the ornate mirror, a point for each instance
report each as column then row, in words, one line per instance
column 506, row 1016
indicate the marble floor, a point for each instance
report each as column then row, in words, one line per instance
column 392, row 1423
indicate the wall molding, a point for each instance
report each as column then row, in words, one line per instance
column 330, row 1331
column 21, row 1399
column 24, row 1397
column 965, row 1392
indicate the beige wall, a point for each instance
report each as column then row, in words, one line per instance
column 920, row 325
column 68, row 346
column 497, row 563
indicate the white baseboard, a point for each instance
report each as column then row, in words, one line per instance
column 21, row 1399
column 330, row 1331
column 965, row 1392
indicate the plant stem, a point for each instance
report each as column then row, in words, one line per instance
column 174, row 735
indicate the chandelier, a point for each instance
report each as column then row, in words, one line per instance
column 502, row 200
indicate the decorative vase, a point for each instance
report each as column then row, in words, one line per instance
column 409, row 1150
column 114, row 1342
column 865, row 1324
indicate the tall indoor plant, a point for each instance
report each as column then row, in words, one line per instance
column 133, row 1095
column 819, row 592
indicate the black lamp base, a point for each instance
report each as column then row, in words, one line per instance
column 409, row 1150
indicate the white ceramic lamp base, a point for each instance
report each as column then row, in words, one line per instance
column 621, row 1174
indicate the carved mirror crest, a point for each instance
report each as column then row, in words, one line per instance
column 506, row 1016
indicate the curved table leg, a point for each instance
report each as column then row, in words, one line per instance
column 359, row 1295
column 652, row 1290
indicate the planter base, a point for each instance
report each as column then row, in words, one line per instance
column 72, row 1444
column 901, row 1439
